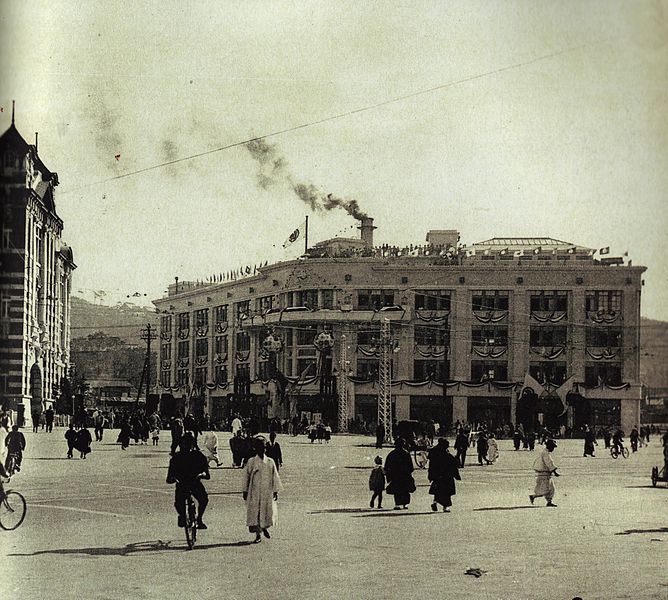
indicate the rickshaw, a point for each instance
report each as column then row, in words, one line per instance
column 659, row 475
column 417, row 443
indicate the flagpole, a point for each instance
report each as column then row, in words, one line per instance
column 306, row 236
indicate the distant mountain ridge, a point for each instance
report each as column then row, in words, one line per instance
column 124, row 320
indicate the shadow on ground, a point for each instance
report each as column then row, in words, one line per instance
column 504, row 508
column 127, row 550
column 630, row 531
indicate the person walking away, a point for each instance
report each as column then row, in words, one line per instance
column 517, row 438
column 48, row 419
column 273, row 451
column 186, row 469
column 461, row 446
column 99, row 426
column 71, row 437
column 83, row 441
column 618, row 440
column 589, row 441
column 443, row 471
column 262, row 484
column 15, row 442
column 236, row 447
column 544, row 467
column 531, row 440
column 295, row 426
column 606, row 437
column 377, row 482
column 492, row 449
column 236, row 425
column 190, row 424
column 124, row 434
column 482, row 447
column 380, row 435
column 36, row 414
column 634, row 436
column 209, row 447
column 155, row 424
column 398, row 472
column 177, row 432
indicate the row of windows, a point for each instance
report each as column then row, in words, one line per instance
column 482, row 300
column 544, row 372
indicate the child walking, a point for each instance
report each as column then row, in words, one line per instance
column 155, row 435
column 377, row 482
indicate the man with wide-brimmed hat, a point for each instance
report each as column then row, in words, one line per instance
column 544, row 467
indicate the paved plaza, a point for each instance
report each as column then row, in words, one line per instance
column 105, row 527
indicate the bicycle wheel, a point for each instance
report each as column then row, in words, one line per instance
column 625, row 452
column 11, row 465
column 191, row 523
column 614, row 452
column 421, row 458
column 655, row 475
column 12, row 510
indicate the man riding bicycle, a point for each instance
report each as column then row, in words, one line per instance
column 618, row 440
column 186, row 468
column 16, row 444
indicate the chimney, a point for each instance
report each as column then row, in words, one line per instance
column 366, row 228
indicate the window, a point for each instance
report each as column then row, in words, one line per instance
column 243, row 342
column 608, row 337
column 490, row 300
column 549, row 301
column 431, row 336
column 547, row 336
column 182, row 377
column 263, row 370
column 242, row 371
column 327, row 298
column 200, row 376
column 202, row 318
column 166, row 352
column 432, row 299
column 308, row 298
column 220, row 374
column 548, row 372
column 243, row 309
column 5, row 302
column 374, row 299
column 488, row 370
column 369, row 335
column 6, row 238
column 610, row 373
column 264, row 304
column 220, row 313
column 367, row 368
column 606, row 301
column 166, row 326
column 220, row 345
column 306, row 336
column 436, row 370
column 183, row 321
column 307, row 367
column 165, row 379
column 490, row 335
column 201, row 347
column 184, row 350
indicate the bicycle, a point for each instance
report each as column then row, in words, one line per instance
column 12, row 465
column 12, row 508
column 190, row 524
column 615, row 451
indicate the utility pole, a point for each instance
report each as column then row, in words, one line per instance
column 342, row 385
column 385, row 378
column 148, row 334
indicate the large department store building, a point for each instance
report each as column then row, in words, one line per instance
column 470, row 328
column 35, row 281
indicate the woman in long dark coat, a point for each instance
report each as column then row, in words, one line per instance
column 443, row 470
column 398, row 471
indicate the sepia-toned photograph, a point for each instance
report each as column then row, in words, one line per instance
column 334, row 300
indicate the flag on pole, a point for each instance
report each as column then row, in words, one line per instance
column 504, row 251
column 605, row 250
column 470, row 252
column 532, row 384
column 518, row 253
column 562, row 390
column 297, row 234
column 571, row 250
column 537, row 250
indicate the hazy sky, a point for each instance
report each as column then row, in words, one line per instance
column 556, row 124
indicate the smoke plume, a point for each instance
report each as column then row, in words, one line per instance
column 273, row 170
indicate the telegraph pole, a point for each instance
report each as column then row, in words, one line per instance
column 385, row 378
column 148, row 334
column 342, row 385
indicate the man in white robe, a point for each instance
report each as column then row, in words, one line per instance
column 544, row 467
column 209, row 447
column 261, row 486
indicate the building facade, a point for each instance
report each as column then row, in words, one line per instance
column 35, row 281
column 470, row 329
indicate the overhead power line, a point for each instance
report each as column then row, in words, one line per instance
column 341, row 115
